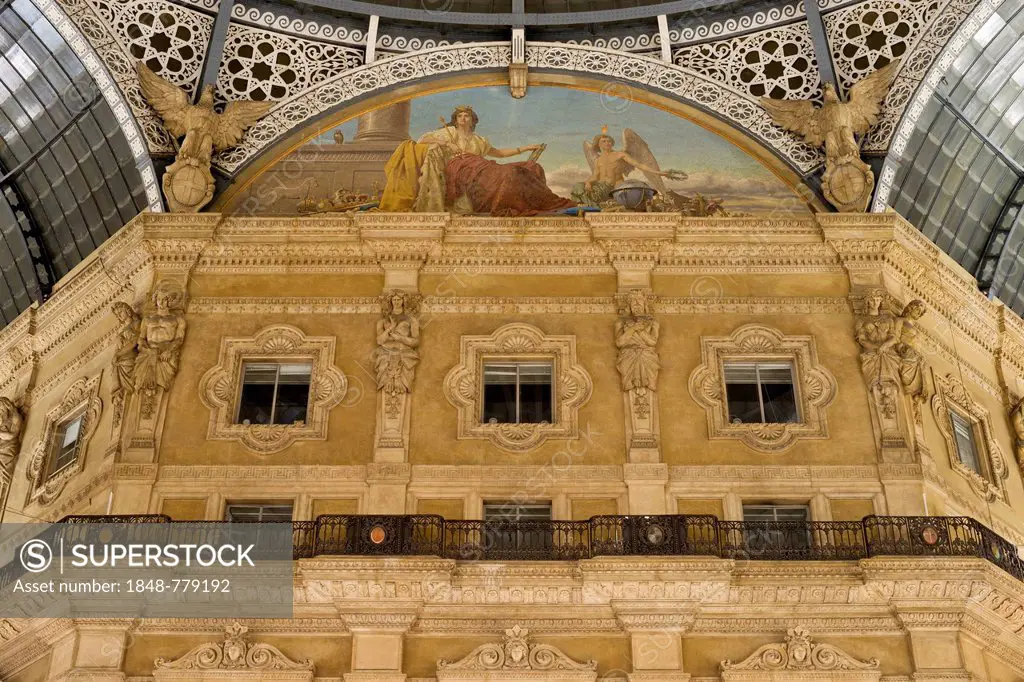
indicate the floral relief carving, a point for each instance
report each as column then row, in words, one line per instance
column 81, row 397
column 234, row 658
column 11, row 420
column 516, row 658
column 220, row 386
column 815, row 386
column 463, row 385
column 952, row 394
column 799, row 654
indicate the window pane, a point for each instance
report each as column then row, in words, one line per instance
column 500, row 373
column 963, row 432
column 255, row 403
column 260, row 373
column 535, row 403
column 779, row 403
column 295, row 373
column 535, row 373
column 71, row 431
column 500, row 403
column 292, row 400
column 741, row 372
column 744, row 407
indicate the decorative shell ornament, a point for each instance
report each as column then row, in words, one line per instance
column 848, row 182
column 188, row 183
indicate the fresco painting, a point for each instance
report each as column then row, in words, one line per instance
column 558, row 151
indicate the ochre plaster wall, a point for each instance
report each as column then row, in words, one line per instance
column 434, row 420
column 350, row 425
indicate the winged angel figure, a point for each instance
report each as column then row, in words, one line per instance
column 188, row 183
column 848, row 181
column 609, row 168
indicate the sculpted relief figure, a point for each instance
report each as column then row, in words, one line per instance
column 124, row 356
column 188, row 183
column 398, row 340
column 161, row 333
column 10, row 442
column 636, row 336
column 848, row 181
column 889, row 355
column 1017, row 420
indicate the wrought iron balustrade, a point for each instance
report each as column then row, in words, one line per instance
column 664, row 535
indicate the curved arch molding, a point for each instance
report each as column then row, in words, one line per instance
column 111, row 93
column 677, row 82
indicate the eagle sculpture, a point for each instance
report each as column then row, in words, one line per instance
column 835, row 125
column 188, row 183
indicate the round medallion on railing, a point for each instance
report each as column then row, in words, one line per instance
column 929, row 535
column 655, row 534
column 996, row 551
column 378, row 535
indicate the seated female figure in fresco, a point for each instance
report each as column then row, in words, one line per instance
column 446, row 170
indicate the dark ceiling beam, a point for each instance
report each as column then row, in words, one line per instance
column 819, row 38
column 521, row 18
column 215, row 48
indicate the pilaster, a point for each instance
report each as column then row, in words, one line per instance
column 388, row 484
column 92, row 651
column 378, row 641
column 655, row 632
column 646, row 487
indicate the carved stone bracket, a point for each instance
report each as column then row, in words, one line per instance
column 815, row 386
column 234, row 659
column 220, row 386
column 799, row 658
column 952, row 394
column 516, row 658
column 82, row 397
column 463, row 385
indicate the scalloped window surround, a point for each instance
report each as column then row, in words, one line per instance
column 518, row 343
column 220, row 389
column 953, row 406
column 814, row 386
column 53, row 465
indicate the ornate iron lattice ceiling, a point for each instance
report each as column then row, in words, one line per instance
column 73, row 151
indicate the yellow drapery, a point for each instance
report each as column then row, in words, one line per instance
column 403, row 175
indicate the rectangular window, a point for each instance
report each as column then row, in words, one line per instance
column 966, row 449
column 760, row 393
column 518, row 392
column 508, row 527
column 265, row 513
column 776, row 529
column 65, row 445
column 274, row 392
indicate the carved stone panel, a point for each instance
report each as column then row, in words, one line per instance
column 233, row 660
column 797, row 659
column 220, row 387
column 815, row 386
column 463, row 385
column 516, row 658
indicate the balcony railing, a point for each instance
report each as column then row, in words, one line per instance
column 669, row 535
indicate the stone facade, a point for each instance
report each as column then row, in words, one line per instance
column 634, row 431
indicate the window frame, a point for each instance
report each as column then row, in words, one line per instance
column 951, row 396
column 514, row 342
column 81, row 399
column 261, row 504
column 814, row 386
column 220, row 388
column 758, row 361
column 291, row 360
column 518, row 360
column 57, row 450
